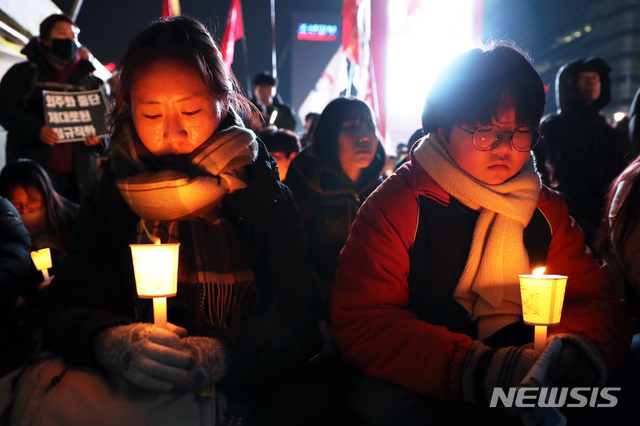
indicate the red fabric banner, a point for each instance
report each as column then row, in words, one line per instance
column 350, row 45
column 234, row 30
column 167, row 9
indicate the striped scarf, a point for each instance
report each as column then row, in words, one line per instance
column 489, row 287
column 178, row 206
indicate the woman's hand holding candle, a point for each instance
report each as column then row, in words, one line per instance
column 149, row 356
column 208, row 364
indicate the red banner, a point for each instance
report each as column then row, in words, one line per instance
column 350, row 42
column 167, row 9
column 234, row 30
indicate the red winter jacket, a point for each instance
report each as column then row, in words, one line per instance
column 376, row 333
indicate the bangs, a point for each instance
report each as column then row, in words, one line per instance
column 497, row 96
column 481, row 85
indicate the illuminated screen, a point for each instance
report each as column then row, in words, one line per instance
column 317, row 32
column 418, row 47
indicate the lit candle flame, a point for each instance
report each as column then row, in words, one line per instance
column 539, row 271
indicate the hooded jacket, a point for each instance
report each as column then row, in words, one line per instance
column 583, row 152
column 22, row 112
column 328, row 202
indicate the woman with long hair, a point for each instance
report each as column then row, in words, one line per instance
column 333, row 177
column 183, row 168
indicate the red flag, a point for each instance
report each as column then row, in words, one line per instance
column 234, row 30
column 350, row 43
column 167, row 9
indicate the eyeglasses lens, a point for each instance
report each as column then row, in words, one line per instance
column 524, row 138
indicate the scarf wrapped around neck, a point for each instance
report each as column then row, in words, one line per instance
column 183, row 206
column 489, row 287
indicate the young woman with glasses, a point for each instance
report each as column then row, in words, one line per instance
column 426, row 300
column 48, row 216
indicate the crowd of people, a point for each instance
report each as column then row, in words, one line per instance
column 313, row 287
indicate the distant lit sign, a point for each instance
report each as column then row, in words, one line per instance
column 317, row 32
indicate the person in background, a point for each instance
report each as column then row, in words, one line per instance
column 582, row 152
column 274, row 111
column 54, row 63
column 183, row 168
column 415, row 136
column 15, row 262
column 48, row 216
column 310, row 121
column 619, row 236
column 331, row 179
column 426, row 300
column 283, row 145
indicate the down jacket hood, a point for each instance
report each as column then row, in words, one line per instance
column 567, row 98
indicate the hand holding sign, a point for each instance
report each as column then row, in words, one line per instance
column 74, row 117
column 48, row 135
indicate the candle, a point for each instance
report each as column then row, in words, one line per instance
column 42, row 260
column 542, row 299
column 156, row 271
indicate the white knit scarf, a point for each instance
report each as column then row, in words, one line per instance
column 489, row 287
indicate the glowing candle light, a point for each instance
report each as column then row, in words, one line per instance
column 542, row 299
column 42, row 260
column 156, row 270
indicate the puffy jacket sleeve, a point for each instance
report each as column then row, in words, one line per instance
column 591, row 307
column 15, row 259
column 370, row 323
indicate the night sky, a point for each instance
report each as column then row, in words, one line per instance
column 107, row 26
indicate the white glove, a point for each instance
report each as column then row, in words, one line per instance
column 207, row 365
column 149, row 356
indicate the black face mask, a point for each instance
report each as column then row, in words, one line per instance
column 66, row 48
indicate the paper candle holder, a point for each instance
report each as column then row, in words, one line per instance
column 542, row 298
column 156, row 269
column 42, row 259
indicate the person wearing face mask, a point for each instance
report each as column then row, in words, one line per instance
column 47, row 216
column 54, row 63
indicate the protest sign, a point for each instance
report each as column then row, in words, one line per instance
column 75, row 115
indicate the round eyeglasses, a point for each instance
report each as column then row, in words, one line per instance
column 487, row 137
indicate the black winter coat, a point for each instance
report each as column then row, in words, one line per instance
column 328, row 203
column 15, row 261
column 22, row 113
column 583, row 152
column 95, row 287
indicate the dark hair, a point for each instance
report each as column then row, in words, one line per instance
column 264, row 79
column 627, row 216
column 187, row 40
column 50, row 21
column 325, row 135
column 311, row 116
column 482, row 84
column 280, row 140
column 25, row 172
